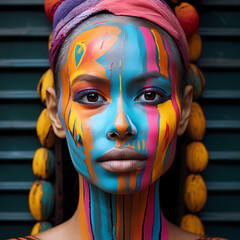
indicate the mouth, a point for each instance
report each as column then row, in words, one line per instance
column 122, row 160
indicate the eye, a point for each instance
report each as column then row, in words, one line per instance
column 89, row 97
column 152, row 96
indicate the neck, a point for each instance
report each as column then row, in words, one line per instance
column 132, row 216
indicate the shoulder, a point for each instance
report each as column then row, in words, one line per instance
column 25, row 238
column 211, row 238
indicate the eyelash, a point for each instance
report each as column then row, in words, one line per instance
column 163, row 96
column 78, row 97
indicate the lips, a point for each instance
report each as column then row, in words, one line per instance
column 122, row 160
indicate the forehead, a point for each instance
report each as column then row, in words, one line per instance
column 135, row 44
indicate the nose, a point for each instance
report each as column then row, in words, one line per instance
column 123, row 128
column 114, row 135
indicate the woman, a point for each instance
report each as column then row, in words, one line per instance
column 121, row 100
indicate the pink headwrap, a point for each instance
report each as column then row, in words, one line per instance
column 72, row 12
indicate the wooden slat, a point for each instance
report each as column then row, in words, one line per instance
column 223, row 124
column 15, row 3
column 24, row 63
column 223, row 186
column 218, row 63
column 17, row 125
column 220, row 3
column 224, row 156
column 19, row 94
column 25, row 32
column 219, row 32
column 15, row 186
column 221, row 94
column 16, row 155
column 220, row 216
column 16, row 216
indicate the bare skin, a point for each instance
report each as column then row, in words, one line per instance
column 70, row 230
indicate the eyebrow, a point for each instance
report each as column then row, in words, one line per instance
column 90, row 78
column 140, row 78
column 147, row 75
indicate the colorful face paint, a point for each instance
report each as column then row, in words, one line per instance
column 119, row 105
column 120, row 216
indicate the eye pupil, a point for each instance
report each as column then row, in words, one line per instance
column 92, row 97
column 150, row 95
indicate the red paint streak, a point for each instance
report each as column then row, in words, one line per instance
column 173, row 77
column 149, row 217
column 86, row 205
column 103, row 41
column 150, row 49
column 166, row 137
column 152, row 113
column 110, row 80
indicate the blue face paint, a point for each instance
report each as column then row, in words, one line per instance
column 117, row 90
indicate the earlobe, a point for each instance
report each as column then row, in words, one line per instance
column 186, row 109
column 51, row 102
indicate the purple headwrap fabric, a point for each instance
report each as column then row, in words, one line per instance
column 72, row 12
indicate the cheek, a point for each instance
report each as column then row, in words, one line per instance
column 164, row 132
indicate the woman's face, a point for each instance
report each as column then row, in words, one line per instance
column 120, row 105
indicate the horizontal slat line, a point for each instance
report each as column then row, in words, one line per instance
column 221, row 3
column 18, row 125
column 223, row 186
column 219, row 32
column 221, row 94
column 219, row 63
column 16, row 155
column 224, row 156
column 207, row 94
column 223, row 124
column 24, row 63
column 19, row 94
column 22, row 3
column 25, row 32
column 15, row 186
column 220, row 216
column 16, row 216
column 41, row 3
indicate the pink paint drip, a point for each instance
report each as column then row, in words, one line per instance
column 152, row 113
column 174, row 101
column 173, row 93
column 164, row 229
column 86, row 206
column 150, row 49
column 149, row 217
column 110, row 77
column 166, row 137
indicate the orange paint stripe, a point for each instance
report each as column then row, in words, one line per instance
column 127, row 216
column 161, row 52
column 143, row 142
column 138, row 145
column 176, row 76
column 119, row 225
column 82, row 215
column 121, row 122
column 138, row 213
column 31, row 237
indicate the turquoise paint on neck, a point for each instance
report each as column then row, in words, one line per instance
column 129, row 216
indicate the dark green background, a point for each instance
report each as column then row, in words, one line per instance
column 24, row 31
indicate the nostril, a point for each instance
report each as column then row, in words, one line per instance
column 128, row 134
column 113, row 135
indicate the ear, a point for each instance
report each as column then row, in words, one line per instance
column 186, row 109
column 51, row 102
